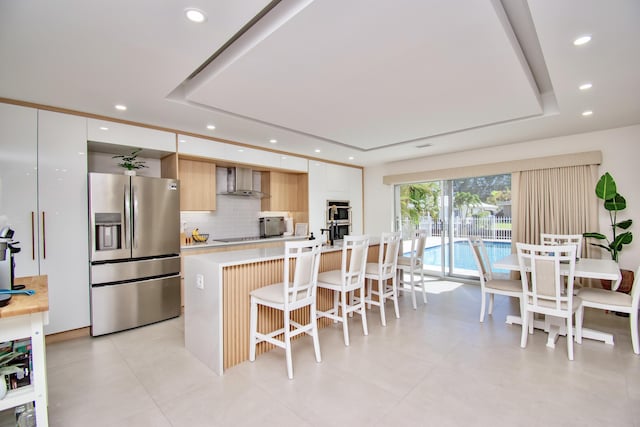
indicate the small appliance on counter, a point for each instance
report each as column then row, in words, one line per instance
column 7, row 264
column 272, row 226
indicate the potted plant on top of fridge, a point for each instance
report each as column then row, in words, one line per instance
column 606, row 190
column 130, row 162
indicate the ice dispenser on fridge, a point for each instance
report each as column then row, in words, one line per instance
column 108, row 227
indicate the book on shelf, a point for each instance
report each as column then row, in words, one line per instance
column 23, row 361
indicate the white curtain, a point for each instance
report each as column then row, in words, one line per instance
column 557, row 200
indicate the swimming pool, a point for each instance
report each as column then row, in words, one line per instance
column 463, row 257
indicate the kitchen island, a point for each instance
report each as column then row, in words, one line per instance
column 217, row 300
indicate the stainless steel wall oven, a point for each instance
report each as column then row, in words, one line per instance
column 339, row 218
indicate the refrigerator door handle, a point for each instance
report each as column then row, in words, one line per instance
column 134, row 216
column 127, row 217
column 44, row 237
column 33, row 236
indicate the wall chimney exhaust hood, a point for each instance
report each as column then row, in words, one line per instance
column 240, row 183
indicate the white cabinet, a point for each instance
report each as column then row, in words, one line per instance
column 19, row 182
column 199, row 147
column 334, row 182
column 292, row 163
column 43, row 197
column 131, row 136
column 62, row 201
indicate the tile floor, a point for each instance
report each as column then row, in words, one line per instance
column 434, row 366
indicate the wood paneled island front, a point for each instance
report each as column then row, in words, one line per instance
column 217, row 300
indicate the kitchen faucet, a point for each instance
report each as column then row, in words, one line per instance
column 331, row 232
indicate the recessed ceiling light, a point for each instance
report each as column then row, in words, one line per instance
column 182, row 140
column 585, row 86
column 351, row 157
column 587, row 113
column 273, row 141
column 121, row 107
column 317, row 150
column 582, row 40
column 195, row 15
column 211, row 127
column 240, row 150
column 103, row 128
column 284, row 157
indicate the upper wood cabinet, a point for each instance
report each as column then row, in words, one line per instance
column 197, row 185
column 282, row 189
column 288, row 192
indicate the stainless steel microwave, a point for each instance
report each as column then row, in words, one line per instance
column 271, row 226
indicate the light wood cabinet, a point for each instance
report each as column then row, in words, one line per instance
column 197, row 185
column 288, row 192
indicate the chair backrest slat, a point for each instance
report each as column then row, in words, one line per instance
column 355, row 249
column 481, row 257
column 546, row 286
column 388, row 253
column 563, row 239
column 418, row 244
column 302, row 260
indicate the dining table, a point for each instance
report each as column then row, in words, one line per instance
column 588, row 268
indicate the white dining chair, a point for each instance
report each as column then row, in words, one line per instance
column 384, row 271
column 297, row 290
column 413, row 265
column 349, row 278
column 563, row 239
column 545, row 291
column 604, row 299
column 488, row 284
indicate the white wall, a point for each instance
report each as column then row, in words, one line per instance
column 620, row 149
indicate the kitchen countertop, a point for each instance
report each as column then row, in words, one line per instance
column 27, row 304
column 248, row 256
column 217, row 243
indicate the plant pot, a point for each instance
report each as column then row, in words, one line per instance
column 130, row 172
column 625, row 284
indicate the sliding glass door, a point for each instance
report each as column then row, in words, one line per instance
column 452, row 210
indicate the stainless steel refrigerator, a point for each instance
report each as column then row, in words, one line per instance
column 135, row 251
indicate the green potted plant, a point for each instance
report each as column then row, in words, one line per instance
column 6, row 369
column 130, row 162
column 607, row 191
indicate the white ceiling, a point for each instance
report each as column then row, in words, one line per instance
column 374, row 80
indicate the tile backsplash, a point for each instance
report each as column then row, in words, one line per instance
column 235, row 216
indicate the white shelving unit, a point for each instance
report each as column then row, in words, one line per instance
column 19, row 327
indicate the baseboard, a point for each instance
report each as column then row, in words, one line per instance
column 67, row 335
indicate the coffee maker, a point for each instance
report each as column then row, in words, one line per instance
column 7, row 264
